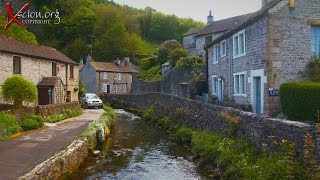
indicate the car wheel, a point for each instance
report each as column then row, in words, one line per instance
column 86, row 106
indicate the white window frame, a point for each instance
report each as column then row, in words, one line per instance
column 214, row 78
column 115, row 88
column 215, row 54
column 104, row 75
column 241, row 86
column 124, row 88
column 104, row 88
column 118, row 76
column 223, row 48
column 237, row 35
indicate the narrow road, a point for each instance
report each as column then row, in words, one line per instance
column 20, row 155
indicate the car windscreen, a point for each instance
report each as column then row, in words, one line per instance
column 92, row 96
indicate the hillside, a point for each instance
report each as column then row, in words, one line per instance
column 115, row 30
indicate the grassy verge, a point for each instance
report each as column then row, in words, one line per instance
column 68, row 113
column 237, row 158
column 98, row 129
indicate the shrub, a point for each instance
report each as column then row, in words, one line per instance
column 177, row 54
column 300, row 100
column 19, row 90
column 8, row 123
column 166, row 48
column 184, row 135
column 147, row 63
column 190, row 62
column 31, row 122
column 165, row 122
column 150, row 114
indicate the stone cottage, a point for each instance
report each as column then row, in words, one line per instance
column 195, row 39
column 56, row 75
column 271, row 46
column 105, row 77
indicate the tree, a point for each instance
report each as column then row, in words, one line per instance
column 166, row 48
column 190, row 62
column 19, row 90
column 177, row 54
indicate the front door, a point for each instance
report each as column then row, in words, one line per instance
column 68, row 96
column 44, row 96
column 257, row 95
column 108, row 88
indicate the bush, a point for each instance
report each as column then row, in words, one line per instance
column 300, row 100
column 68, row 113
column 8, row 123
column 150, row 114
column 313, row 70
column 148, row 63
column 184, row 135
column 177, row 54
column 190, row 62
column 165, row 49
column 31, row 122
column 19, row 90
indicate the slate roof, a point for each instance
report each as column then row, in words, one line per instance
column 28, row 49
column 252, row 18
column 48, row 81
column 111, row 67
column 222, row 25
column 192, row 31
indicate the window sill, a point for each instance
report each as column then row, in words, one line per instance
column 215, row 62
column 240, row 95
column 239, row 55
column 223, row 55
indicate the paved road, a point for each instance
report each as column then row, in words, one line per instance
column 20, row 155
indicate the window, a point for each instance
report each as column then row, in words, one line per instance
column 71, row 71
column 215, row 85
column 16, row 65
column 315, row 41
column 105, row 75
column 240, row 83
column 104, row 88
column 223, row 48
column 115, row 88
column 54, row 69
column 118, row 76
column 215, row 54
column 124, row 88
column 239, row 44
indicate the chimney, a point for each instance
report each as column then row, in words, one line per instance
column 126, row 61
column 81, row 61
column 265, row 2
column 117, row 61
column 210, row 18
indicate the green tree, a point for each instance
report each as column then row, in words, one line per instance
column 177, row 54
column 190, row 62
column 19, row 90
column 166, row 48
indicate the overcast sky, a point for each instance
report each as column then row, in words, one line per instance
column 198, row 9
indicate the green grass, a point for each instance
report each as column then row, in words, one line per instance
column 68, row 113
column 9, row 124
column 105, row 120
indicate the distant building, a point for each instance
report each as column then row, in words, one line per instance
column 195, row 39
column 105, row 77
column 56, row 75
column 249, row 62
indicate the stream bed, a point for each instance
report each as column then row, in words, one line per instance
column 137, row 150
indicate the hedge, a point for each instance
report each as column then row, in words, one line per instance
column 300, row 101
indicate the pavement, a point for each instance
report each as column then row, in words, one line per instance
column 20, row 155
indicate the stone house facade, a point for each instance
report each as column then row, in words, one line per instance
column 195, row 39
column 55, row 75
column 104, row 77
column 270, row 47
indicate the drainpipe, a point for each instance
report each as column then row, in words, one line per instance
column 66, row 64
column 207, row 71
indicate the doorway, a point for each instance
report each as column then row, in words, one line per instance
column 257, row 95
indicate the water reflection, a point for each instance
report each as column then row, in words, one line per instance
column 139, row 151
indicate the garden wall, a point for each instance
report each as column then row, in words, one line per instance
column 51, row 109
column 262, row 131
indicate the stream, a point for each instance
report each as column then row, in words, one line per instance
column 137, row 150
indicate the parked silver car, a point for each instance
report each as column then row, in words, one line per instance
column 89, row 100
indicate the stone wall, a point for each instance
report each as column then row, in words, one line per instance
column 168, row 85
column 51, row 109
column 260, row 130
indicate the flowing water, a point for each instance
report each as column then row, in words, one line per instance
column 137, row 150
